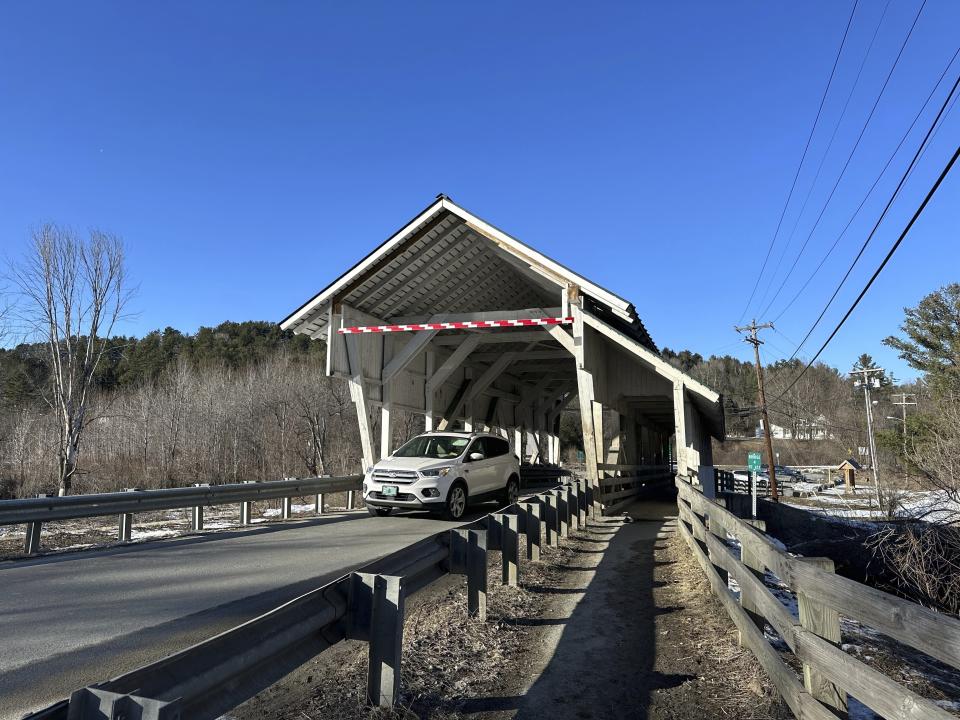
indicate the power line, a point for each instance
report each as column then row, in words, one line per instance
column 875, row 183
column 846, row 164
column 883, row 214
column 803, row 157
column 883, row 264
column 823, row 159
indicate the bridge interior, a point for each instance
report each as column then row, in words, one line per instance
column 382, row 321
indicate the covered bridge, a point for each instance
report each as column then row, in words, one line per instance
column 452, row 318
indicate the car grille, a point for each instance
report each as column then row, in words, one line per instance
column 395, row 476
column 403, row 497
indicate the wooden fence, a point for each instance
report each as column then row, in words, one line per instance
column 829, row 673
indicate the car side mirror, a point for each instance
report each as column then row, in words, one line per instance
column 475, row 456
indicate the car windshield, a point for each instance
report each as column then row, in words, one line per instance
column 437, row 447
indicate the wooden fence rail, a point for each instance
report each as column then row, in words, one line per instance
column 829, row 672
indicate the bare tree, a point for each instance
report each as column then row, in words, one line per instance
column 74, row 291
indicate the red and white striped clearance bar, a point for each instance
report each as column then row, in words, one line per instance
column 466, row 325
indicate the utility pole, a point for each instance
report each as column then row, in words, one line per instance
column 752, row 338
column 903, row 402
column 867, row 378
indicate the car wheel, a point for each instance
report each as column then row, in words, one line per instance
column 456, row 505
column 512, row 492
column 378, row 511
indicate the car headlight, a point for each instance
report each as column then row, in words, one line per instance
column 435, row 472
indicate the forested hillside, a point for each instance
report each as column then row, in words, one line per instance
column 239, row 401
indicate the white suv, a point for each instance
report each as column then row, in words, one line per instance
column 443, row 472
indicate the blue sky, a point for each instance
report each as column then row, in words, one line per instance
column 248, row 153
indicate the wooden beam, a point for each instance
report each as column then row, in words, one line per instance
column 407, row 354
column 563, row 337
column 492, row 337
column 491, row 374
column 452, row 363
column 358, row 393
column 525, row 356
column 484, row 315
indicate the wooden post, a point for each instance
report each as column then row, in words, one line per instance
column 747, row 600
column 376, row 606
column 563, row 513
column 510, row 548
column 825, row 622
column 468, row 556
column 573, row 504
column 715, row 529
column 532, row 529
column 552, row 509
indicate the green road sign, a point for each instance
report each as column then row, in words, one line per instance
column 753, row 461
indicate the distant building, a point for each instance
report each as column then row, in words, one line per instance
column 800, row 430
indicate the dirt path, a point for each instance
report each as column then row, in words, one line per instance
column 633, row 632
column 618, row 622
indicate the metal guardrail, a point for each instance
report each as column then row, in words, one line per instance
column 213, row 677
column 34, row 512
column 829, row 673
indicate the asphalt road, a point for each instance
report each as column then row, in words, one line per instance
column 73, row 619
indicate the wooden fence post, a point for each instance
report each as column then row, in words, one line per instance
column 468, row 556
column 552, row 518
column 563, row 513
column 532, row 529
column 510, row 549
column 747, row 600
column 376, row 615
column 825, row 622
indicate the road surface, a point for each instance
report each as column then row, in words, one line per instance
column 73, row 619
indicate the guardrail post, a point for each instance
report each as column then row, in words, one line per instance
column 31, row 541
column 563, row 513
column 552, row 518
column 573, row 506
column 287, row 508
column 350, row 500
column 825, row 622
column 246, row 507
column 196, row 520
column 376, row 615
column 509, row 547
column 588, row 491
column 468, row 556
column 531, row 528
column 318, row 507
column 125, row 529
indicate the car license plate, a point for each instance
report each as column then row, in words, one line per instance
column 389, row 490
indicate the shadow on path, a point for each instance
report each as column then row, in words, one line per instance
column 604, row 661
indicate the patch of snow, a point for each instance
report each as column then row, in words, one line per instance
column 276, row 512
column 932, row 506
column 147, row 534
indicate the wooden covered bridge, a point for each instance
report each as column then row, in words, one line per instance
column 453, row 318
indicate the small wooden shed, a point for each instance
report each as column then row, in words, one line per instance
column 848, row 469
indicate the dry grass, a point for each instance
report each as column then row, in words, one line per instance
column 447, row 656
column 732, row 679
